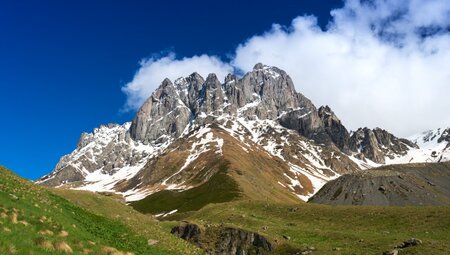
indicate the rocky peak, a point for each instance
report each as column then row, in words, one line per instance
column 211, row 96
column 163, row 115
column 377, row 144
column 258, row 66
column 445, row 136
column 266, row 92
column 229, row 79
column 334, row 128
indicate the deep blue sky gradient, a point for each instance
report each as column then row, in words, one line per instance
column 62, row 63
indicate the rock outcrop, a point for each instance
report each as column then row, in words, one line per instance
column 377, row 144
column 220, row 240
column 335, row 129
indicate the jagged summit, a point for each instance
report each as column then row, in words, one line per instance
column 270, row 140
column 265, row 93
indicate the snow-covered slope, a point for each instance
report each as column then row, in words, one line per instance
column 102, row 158
column 433, row 146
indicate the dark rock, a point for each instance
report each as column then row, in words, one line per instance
column 238, row 241
column 334, row 128
column 445, row 136
column 187, row 231
column 409, row 243
column 229, row 241
column 376, row 144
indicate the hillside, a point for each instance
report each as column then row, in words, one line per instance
column 400, row 185
column 33, row 220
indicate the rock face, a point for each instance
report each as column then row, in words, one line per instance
column 335, row 129
column 377, row 144
column 409, row 184
column 163, row 115
column 188, row 232
column 223, row 240
column 264, row 93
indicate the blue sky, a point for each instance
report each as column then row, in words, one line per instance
column 68, row 66
column 63, row 63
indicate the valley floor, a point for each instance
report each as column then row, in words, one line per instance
column 334, row 229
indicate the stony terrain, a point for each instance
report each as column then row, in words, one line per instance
column 398, row 185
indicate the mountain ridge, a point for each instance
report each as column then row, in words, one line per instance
column 259, row 112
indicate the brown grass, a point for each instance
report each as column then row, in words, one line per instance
column 12, row 249
column 109, row 250
column 14, row 218
column 86, row 251
column 45, row 244
column 113, row 251
column 46, row 232
column 63, row 246
column 63, row 233
column 23, row 222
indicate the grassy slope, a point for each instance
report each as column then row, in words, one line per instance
column 32, row 220
column 353, row 229
column 220, row 188
column 142, row 224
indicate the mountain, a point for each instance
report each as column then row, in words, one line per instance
column 203, row 141
column 433, row 146
column 406, row 184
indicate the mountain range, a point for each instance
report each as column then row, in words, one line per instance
column 251, row 137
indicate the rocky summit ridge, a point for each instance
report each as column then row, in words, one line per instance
column 186, row 126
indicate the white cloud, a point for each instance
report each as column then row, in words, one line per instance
column 373, row 64
column 370, row 65
column 153, row 71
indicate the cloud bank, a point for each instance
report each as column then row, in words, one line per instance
column 377, row 64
